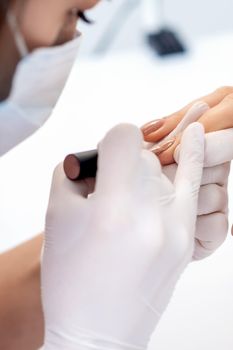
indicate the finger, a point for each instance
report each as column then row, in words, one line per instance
column 190, row 168
column 189, row 172
column 62, row 187
column 214, row 175
column 151, row 166
column 163, row 149
column 212, row 198
column 219, row 117
column 192, row 115
column 218, row 149
column 166, row 157
column 155, row 183
column 68, row 195
column 170, row 171
column 171, row 122
column 212, row 195
column 170, row 127
column 119, row 156
column 211, row 231
column 216, row 119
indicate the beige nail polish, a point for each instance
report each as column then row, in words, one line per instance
column 163, row 147
column 152, row 126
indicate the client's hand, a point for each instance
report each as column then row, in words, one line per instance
column 214, row 111
column 212, row 221
column 111, row 260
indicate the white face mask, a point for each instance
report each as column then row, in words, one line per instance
column 38, row 82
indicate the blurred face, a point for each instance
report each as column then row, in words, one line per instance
column 47, row 22
column 42, row 23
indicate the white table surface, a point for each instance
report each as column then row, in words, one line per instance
column 131, row 87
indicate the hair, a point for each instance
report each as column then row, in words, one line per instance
column 4, row 4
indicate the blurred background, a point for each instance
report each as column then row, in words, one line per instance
column 118, row 77
column 191, row 19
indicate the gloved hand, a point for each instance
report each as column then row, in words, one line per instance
column 212, row 220
column 111, row 260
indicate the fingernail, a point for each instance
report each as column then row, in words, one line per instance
column 163, row 147
column 152, row 126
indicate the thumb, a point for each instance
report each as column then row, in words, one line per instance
column 119, row 156
column 190, row 169
column 62, row 188
column 191, row 116
column 66, row 207
column 218, row 148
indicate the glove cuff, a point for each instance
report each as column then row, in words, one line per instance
column 85, row 340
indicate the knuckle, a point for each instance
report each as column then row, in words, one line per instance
column 224, row 170
column 221, row 230
column 199, row 251
column 166, row 158
column 219, row 198
column 219, row 194
column 229, row 98
column 216, row 175
column 210, row 238
column 225, row 90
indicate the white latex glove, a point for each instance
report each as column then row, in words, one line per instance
column 111, row 260
column 212, row 221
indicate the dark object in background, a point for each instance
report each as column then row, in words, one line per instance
column 81, row 165
column 4, row 5
column 165, row 42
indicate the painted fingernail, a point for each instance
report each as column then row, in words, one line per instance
column 153, row 126
column 163, row 147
